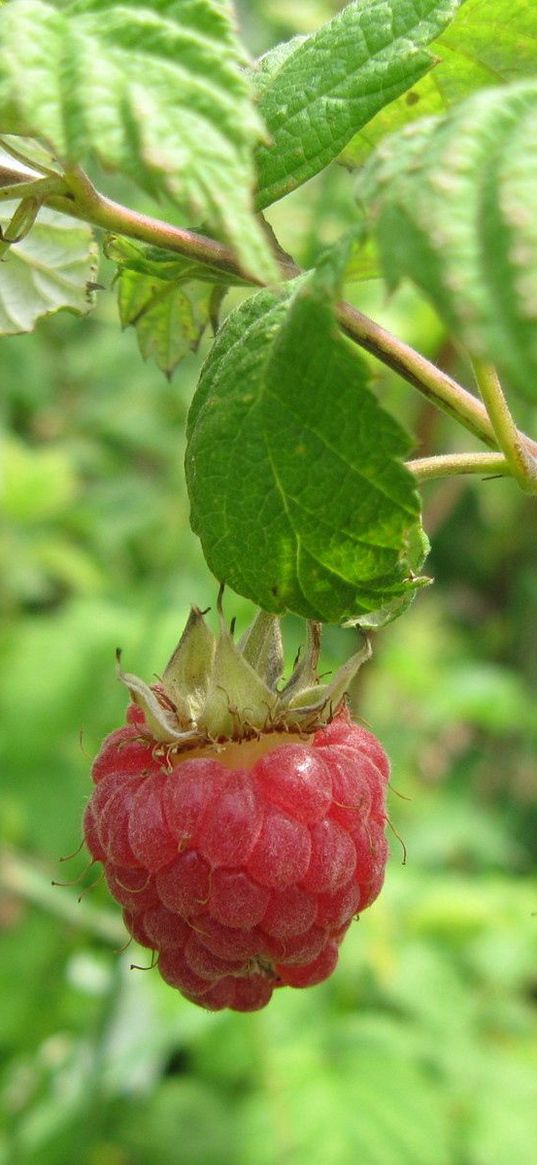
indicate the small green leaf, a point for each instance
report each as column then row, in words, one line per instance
column 489, row 41
column 452, row 202
column 155, row 91
column 318, row 95
column 297, row 489
column 52, row 268
column 169, row 319
column 169, row 299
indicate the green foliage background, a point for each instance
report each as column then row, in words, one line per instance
column 423, row 1047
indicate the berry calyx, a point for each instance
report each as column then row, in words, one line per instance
column 240, row 822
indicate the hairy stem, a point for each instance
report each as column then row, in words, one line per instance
column 446, row 465
column 434, row 384
column 522, row 464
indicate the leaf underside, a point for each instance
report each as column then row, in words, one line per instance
column 52, row 268
column 156, row 92
column 169, row 299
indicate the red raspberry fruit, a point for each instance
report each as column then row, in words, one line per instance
column 240, row 835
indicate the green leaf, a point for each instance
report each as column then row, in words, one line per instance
column 321, row 93
column 155, row 91
column 169, row 299
column 169, row 319
column 452, row 202
column 50, row 269
column 294, row 473
column 489, row 41
column 351, row 259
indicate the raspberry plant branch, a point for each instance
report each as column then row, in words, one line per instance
column 431, row 382
column 80, row 199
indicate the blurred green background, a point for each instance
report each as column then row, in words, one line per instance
column 422, row 1048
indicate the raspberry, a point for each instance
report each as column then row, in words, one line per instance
column 240, row 835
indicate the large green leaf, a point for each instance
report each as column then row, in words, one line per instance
column 489, row 41
column 453, row 202
column 319, row 94
column 52, row 268
column 153, row 90
column 296, row 484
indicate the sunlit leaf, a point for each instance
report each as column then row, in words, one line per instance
column 488, row 41
column 315, row 94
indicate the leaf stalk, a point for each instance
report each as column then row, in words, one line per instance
column 522, row 462
column 446, row 465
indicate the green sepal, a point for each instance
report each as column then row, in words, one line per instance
column 187, row 676
column 237, row 698
column 161, row 721
column 215, row 689
column 315, row 699
column 262, row 647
